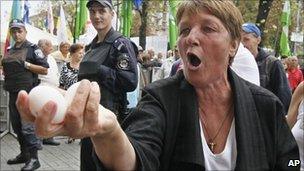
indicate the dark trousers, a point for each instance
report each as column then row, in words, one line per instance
column 86, row 155
column 26, row 137
column 87, row 161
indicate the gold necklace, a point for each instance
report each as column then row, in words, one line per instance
column 211, row 142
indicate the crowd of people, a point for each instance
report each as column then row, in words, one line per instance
column 27, row 65
column 216, row 101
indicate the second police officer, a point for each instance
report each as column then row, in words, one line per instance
column 110, row 60
column 21, row 65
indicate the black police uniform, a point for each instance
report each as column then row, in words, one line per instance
column 112, row 64
column 17, row 78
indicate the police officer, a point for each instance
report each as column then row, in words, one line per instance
column 110, row 60
column 21, row 65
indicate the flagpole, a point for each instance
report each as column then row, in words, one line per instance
column 75, row 23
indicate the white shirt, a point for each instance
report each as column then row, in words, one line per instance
column 164, row 70
column 245, row 66
column 134, row 96
column 52, row 77
column 225, row 160
column 298, row 132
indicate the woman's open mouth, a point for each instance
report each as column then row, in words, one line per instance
column 193, row 61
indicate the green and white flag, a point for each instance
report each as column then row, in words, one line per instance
column 81, row 18
column 173, row 31
column 285, row 21
column 15, row 14
column 126, row 18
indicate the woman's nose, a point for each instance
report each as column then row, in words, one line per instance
column 192, row 38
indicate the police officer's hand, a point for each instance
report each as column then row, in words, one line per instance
column 83, row 118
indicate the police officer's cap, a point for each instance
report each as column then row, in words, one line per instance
column 104, row 3
column 16, row 23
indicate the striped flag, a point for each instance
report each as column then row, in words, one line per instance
column 26, row 12
column 15, row 14
column 81, row 18
column 285, row 21
column 172, row 23
column 49, row 23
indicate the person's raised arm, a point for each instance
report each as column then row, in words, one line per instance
column 297, row 96
column 85, row 118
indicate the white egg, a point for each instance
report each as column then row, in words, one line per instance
column 102, row 110
column 40, row 95
column 69, row 95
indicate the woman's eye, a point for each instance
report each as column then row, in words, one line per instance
column 184, row 31
column 208, row 29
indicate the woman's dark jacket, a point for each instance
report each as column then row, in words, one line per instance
column 164, row 128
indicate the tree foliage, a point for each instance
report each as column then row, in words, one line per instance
column 143, row 26
column 271, row 24
column 149, row 20
column 263, row 11
column 69, row 7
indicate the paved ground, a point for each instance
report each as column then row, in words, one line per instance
column 62, row 157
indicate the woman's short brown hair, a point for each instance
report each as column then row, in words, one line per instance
column 224, row 10
column 75, row 47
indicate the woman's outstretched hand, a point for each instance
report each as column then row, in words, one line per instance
column 84, row 117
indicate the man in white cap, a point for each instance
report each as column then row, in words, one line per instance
column 272, row 73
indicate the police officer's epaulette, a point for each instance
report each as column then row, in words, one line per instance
column 38, row 52
column 119, row 44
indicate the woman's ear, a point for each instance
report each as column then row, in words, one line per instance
column 234, row 47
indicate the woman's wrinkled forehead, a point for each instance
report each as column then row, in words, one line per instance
column 194, row 12
column 224, row 10
column 189, row 9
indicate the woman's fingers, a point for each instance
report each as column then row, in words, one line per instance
column 91, row 110
column 44, row 126
column 74, row 119
column 82, row 116
column 43, row 122
column 22, row 104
